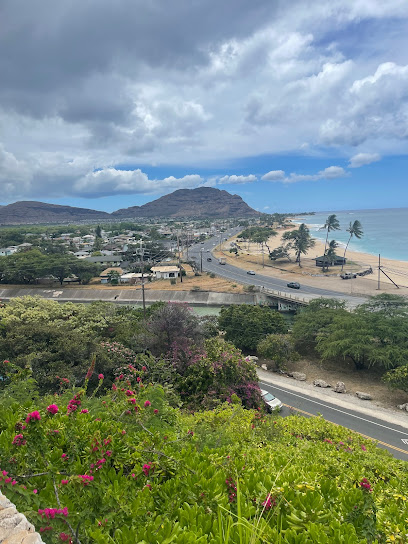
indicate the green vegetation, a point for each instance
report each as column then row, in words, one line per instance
column 299, row 240
column 246, row 325
column 278, row 349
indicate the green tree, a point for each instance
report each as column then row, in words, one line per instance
column 354, row 229
column 312, row 319
column 246, row 325
column 300, row 240
column 332, row 223
column 397, row 378
column 113, row 277
column 278, row 349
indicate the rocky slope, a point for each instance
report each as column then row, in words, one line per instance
column 185, row 203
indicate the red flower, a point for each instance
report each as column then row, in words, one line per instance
column 101, row 376
column 146, row 469
column 84, row 411
column 52, row 409
column 18, row 440
column 144, row 368
column 64, row 482
column 365, row 484
column 147, row 403
column 156, row 411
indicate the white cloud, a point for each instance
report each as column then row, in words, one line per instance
column 234, row 179
column 361, row 159
column 111, row 181
column 331, row 172
column 274, row 175
column 266, row 207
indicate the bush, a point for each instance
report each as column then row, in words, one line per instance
column 246, row 325
column 279, row 349
column 173, row 281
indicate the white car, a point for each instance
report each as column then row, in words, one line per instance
column 271, row 401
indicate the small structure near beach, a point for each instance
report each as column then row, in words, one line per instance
column 326, row 260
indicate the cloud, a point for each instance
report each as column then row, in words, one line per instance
column 274, row 175
column 361, row 159
column 331, row 172
column 237, row 179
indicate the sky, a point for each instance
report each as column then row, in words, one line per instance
column 295, row 106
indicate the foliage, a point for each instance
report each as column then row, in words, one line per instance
column 28, row 266
column 213, row 374
column 130, row 469
column 312, row 319
column 258, row 235
column 300, row 240
column 397, row 378
column 281, row 252
column 279, row 349
column 246, row 325
column 170, row 324
column 354, row 229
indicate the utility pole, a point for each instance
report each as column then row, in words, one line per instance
column 379, row 271
column 178, row 251
column 143, row 287
column 201, row 262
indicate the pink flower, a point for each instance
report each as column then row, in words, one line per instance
column 35, row 491
column 144, row 368
column 64, row 536
column 6, row 361
column 108, row 453
column 33, row 416
column 365, row 484
column 13, row 482
column 52, row 409
column 8, row 480
column 18, row 440
column 363, row 447
column 84, row 411
column 269, row 502
column 156, row 411
column 133, row 475
column 147, row 403
column 123, row 432
column 146, row 469
column 64, row 482
column 64, row 456
column 101, row 377
column 139, row 379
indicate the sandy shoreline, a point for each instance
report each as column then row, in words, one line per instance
column 309, row 274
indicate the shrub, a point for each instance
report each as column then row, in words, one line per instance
column 279, row 349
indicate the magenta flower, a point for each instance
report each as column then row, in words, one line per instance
column 52, row 409
column 156, row 411
column 365, row 484
column 363, row 447
column 147, row 403
column 33, row 416
column 101, row 377
column 146, row 469
column 84, row 411
column 269, row 502
column 64, row 482
column 18, row 440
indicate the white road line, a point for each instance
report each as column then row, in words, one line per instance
column 336, row 409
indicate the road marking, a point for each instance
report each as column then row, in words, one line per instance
column 356, row 432
column 335, row 409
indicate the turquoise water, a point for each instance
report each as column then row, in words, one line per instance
column 385, row 231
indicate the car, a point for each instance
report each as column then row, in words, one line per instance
column 271, row 402
column 251, row 272
column 209, row 259
column 293, row 285
column 208, row 251
column 347, row 276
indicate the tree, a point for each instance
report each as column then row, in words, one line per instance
column 300, row 240
column 258, row 235
column 113, row 277
column 281, row 252
column 354, row 229
column 332, row 223
column 311, row 320
column 246, row 325
column 279, row 349
column 171, row 325
column 397, row 378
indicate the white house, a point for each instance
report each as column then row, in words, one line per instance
column 165, row 272
column 133, row 277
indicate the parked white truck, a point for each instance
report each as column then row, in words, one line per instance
column 222, row 260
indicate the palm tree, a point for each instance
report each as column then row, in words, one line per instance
column 332, row 223
column 331, row 251
column 300, row 240
column 355, row 229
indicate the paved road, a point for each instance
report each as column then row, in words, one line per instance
column 203, row 251
column 388, row 435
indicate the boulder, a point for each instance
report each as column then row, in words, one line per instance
column 363, row 396
column 251, row 358
column 403, row 406
column 321, row 383
column 14, row 527
column 299, row 376
column 340, row 387
column 264, row 367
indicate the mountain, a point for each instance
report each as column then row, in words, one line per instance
column 204, row 202
column 196, row 203
column 30, row 212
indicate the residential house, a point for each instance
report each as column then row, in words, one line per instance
column 106, row 273
column 335, row 260
column 165, row 272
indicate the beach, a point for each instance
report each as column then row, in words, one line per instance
column 309, row 274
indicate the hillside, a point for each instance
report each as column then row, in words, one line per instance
column 204, row 202
column 31, row 212
column 198, row 203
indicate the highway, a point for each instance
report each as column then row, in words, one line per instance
column 200, row 252
column 389, row 436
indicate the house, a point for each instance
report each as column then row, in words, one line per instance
column 4, row 251
column 113, row 260
column 165, row 272
column 134, row 277
column 105, row 275
column 81, row 254
column 335, row 260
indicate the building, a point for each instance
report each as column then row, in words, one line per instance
column 165, row 272
column 105, row 275
column 335, row 260
column 133, row 278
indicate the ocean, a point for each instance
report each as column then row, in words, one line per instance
column 385, row 231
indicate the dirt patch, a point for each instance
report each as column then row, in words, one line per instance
column 368, row 381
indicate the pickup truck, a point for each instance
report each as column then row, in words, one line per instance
column 222, row 260
column 347, row 276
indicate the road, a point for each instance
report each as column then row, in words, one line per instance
column 200, row 252
column 388, row 435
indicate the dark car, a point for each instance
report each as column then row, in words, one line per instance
column 293, row 285
column 209, row 259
